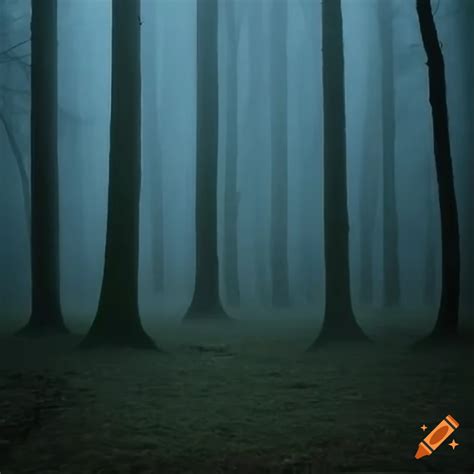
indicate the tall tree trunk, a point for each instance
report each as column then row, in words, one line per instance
column 46, row 308
column 447, row 321
column 151, row 142
column 256, row 135
column 206, row 301
column 369, row 193
column 279, row 153
column 231, row 194
column 117, row 321
column 339, row 320
column 391, row 272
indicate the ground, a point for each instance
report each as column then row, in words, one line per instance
column 236, row 398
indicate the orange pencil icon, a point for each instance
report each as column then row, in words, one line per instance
column 437, row 437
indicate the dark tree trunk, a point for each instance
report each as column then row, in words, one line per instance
column 391, row 271
column 46, row 308
column 151, row 142
column 231, row 195
column 117, row 322
column 447, row 321
column 339, row 320
column 279, row 153
column 206, row 301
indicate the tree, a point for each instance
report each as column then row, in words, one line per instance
column 46, row 308
column 339, row 320
column 447, row 322
column 206, row 301
column 279, row 153
column 391, row 271
column 151, row 142
column 231, row 194
column 117, row 321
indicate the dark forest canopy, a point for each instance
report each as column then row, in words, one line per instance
column 288, row 160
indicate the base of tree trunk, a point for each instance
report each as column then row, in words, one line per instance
column 339, row 336
column 439, row 338
column 34, row 328
column 215, row 315
column 112, row 337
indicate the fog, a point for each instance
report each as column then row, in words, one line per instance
column 169, row 57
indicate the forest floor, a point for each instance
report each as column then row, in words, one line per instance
column 235, row 398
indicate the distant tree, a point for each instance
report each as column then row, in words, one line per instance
column 339, row 320
column 391, row 271
column 279, row 153
column 206, row 302
column 117, row 321
column 447, row 321
column 152, row 161
column 256, row 135
column 231, row 194
column 429, row 281
column 46, row 314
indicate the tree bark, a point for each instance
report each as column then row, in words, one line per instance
column 206, row 301
column 391, row 271
column 279, row 153
column 117, row 322
column 447, row 321
column 46, row 308
column 339, row 320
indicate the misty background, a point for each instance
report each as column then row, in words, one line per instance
column 169, row 56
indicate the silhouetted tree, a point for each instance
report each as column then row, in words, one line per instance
column 279, row 152
column 391, row 271
column 117, row 321
column 46, row 308
column 339, row 321
column 447, row 321
column 206, row 301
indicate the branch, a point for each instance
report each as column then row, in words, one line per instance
column 11, row 48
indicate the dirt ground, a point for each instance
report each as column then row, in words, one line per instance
column 235, row 398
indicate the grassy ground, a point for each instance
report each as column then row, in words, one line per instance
column 235, row 398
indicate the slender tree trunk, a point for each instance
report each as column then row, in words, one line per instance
column 391, row 271
column 151, row 142
column 256, row 134
column 117, row 321
column 447, row 321
column 231, row 194
column 46, row 308
column 339, row 321
column 206, row 301
column 369, row 194
column 279, row 153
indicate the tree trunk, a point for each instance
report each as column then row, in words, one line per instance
column 46, row 308
column 447, row 321
column 256, row 135
column 339, row 321
column 279, row 154
column 206, row 301
column 369, row 194
column 117, row 321
column 231, row 195
column 151, row 142
column 391, row 272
